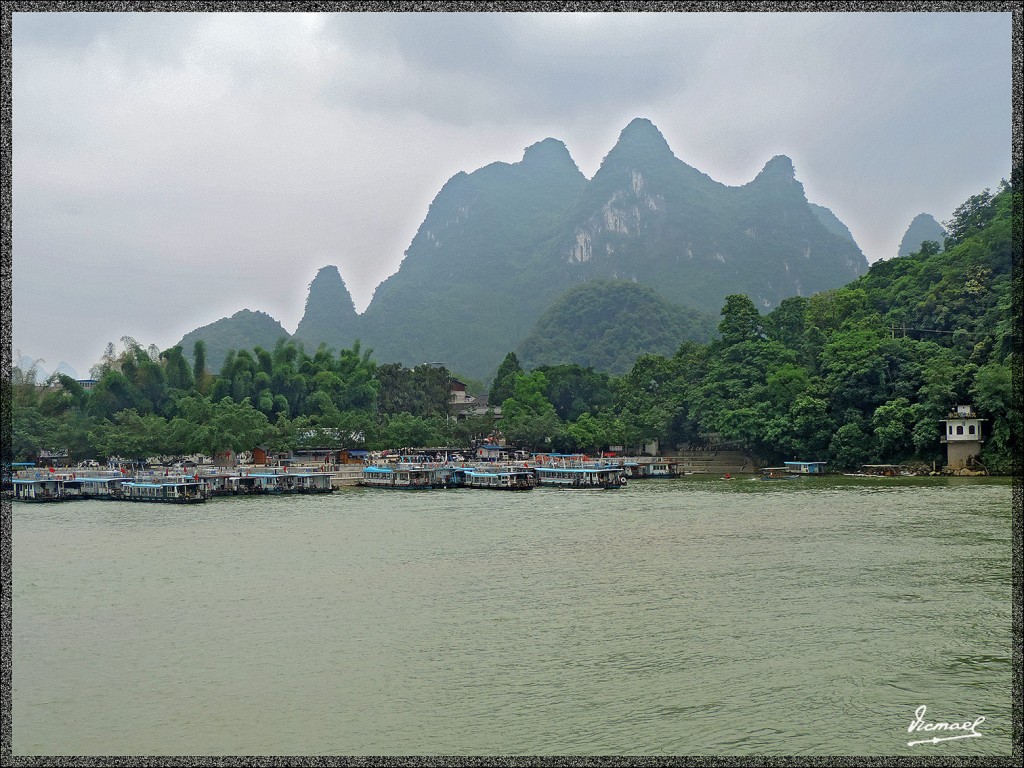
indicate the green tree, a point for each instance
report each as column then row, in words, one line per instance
column 588, row 433
column 504, row 379
column 199, row 371
column 528, row 419
column 740, row 320
column 851, row 447
column 234, row 427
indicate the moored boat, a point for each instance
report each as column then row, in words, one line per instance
column 92, row 487
column 575, row 471
column 407, row 476
column 40, row 489
column 497, row 479
column 171, row 492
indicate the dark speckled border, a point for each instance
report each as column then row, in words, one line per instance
column 768, row 762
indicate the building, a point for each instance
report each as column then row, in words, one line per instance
column 492, row 452
column 962, row 436
column 459, row 395
column 805, row 467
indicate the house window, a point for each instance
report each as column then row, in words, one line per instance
column 960, row 429
column 951, row 429
column 970, row 429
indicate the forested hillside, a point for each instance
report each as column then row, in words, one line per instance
column 608, row 324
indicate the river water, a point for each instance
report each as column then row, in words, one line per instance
column 675, row 617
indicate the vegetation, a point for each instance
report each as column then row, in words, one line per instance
column 859, row 374
column 607, row 325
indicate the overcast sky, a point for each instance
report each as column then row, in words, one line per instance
column 173, row 168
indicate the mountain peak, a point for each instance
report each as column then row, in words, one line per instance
column 330, row 315
column 641, row 138
column 548, row 150
column 779, row 175
column 641, row 126
column 328, row 275
column 779, row 167
column 923, row 227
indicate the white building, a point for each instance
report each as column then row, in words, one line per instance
column 962, row 436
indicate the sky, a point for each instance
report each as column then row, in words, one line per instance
column 170, row 169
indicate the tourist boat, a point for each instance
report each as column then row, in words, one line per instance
column 103, row 487
column 312, row 482
column 657, row 469
column 171, row 492
column 575, row 471
column 40, row 489
column 219, row 483
column 407, row 477
column 778, row 473
column 497, row 479
column 582, row 478
column 284, row 482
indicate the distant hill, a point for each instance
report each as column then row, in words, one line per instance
column 607, row 324
column 330, row 317
column 243, row 330
column 923, row 227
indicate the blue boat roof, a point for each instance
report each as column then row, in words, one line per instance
column 803, row 463
column 378, row 469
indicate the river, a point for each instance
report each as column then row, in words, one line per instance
column 673, row 617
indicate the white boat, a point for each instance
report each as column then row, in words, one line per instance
column 407, row 476
column 40, row 489
column 171, row 492
column 521, row 479
column 575, row 471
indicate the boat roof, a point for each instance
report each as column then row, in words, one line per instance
column 286, row 474
column 578, row 469
column 161, row 485
column 499, row 473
